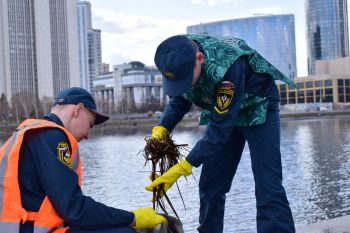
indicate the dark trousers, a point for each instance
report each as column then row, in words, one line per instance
column 273, row 211
column 106, row 230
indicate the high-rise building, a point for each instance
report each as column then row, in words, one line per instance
column 89, row 46
column 84, row 25
column 95, row 59
column 273, row 36
column 38, row 47
column 327, row 30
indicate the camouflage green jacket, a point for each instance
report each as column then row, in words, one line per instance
column 220, row 53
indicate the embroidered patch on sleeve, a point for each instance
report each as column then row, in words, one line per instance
column 64, row 154
column 224, row 97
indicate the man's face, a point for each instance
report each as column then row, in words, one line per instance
column 82, row 122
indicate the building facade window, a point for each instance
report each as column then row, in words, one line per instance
column 316, row 91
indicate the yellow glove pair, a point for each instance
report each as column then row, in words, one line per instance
column 146, row 218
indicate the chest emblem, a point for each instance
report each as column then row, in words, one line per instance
column 224, row 97
column 64, row 154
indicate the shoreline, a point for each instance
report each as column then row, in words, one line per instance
column 146, row 124
column 130, row 125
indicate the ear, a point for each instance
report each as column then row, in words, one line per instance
column 200, row 57
column 78, row 108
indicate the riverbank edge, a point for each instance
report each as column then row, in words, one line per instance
column 131, row 125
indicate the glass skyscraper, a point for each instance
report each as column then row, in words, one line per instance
column 327, row 30
column 273, row 36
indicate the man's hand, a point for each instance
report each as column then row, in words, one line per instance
column 183, row 168
column 159, row 132
column 146, row 218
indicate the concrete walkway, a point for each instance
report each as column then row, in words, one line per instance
column 336, row 225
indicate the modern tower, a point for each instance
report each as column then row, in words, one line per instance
column 94, row 55
column 273, row 36
column 327, row 30
column 38, row 47
column 90, row 54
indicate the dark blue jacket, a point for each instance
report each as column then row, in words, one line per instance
column 41, row 173
column 245, row 80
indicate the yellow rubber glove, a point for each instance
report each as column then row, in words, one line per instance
column 147, row 218
column 183, row 168
column 159, row 132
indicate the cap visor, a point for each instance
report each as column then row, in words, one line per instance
column 100, row 117
column 177, row 87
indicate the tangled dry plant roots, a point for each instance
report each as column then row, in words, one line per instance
column 162, row 155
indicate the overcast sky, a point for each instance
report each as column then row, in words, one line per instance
column 132, row 29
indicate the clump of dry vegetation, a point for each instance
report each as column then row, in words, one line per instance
column 163, row 155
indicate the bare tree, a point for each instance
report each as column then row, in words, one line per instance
column 36, row 105
column 15, row 107
column 26, row 102
column 4, row 108
column 46, row 104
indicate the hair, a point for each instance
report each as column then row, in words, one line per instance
column 56, row 107
column 60, row 107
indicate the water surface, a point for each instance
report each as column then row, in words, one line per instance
column 316, row 170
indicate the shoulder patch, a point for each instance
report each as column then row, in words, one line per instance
column 64, row 154
column 224, row 97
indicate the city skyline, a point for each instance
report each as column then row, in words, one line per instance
column 132, row 30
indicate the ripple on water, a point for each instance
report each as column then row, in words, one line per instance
column 316, row 172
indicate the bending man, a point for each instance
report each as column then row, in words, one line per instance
column 235, row 87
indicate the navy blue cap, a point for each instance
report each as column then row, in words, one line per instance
column 175, row 58
column 77, row 95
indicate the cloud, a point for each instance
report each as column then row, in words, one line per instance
column 214, row 2
column 117, row 58
column 120, row 23
column 269, row 10
column 131, row 37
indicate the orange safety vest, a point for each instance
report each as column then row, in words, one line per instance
column 12, row 214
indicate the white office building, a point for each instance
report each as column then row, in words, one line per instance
column 130, row 87
column 90, row 55
column 38, row 47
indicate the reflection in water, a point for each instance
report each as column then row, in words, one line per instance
column 316, row 171
column 298, row 165
column 321, row 174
